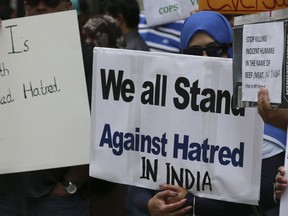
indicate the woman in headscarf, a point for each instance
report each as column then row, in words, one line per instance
column 207, row 33
column 200, row 36
column 204, row 33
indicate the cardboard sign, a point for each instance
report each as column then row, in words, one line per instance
column 44, row 107
column 168, row 118
column 242, row 7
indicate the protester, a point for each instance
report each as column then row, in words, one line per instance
column 46, row 192
column 7, row 12
column 278, row 117
column 83, row 15
column 204, row 33
column 161, row 38
column 127, row 14
column 101, row 31
column 106, row 198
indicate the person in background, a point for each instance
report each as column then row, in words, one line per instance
column 46, row 192
column 204, row 33
column 101, row 31
column 127, row 15
column 161, row 38
column 277, row 117
column 166, row 37
column 106, row 198
column 83, row 15
column 7, row 12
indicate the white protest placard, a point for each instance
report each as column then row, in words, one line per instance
column 44, row 107
column 262, row 60
column 159, row 12
column 168, row 118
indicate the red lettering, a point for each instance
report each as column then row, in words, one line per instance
column 275, row 3
column 234, row 5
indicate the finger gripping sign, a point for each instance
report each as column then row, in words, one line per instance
column 160, row 12
column 168, row 118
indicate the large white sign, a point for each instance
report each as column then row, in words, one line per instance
column 167, row 118
column 262, row 60
column 159, row 12
column 44, row 107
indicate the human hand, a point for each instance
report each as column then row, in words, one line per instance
column 280, row 182
column 181, row 192
column 158, row 207
column 270, row 115
column 59, row 190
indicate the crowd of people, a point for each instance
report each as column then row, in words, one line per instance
column 205, row 33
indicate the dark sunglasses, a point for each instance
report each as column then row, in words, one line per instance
column 49, row 3
column 213, row 50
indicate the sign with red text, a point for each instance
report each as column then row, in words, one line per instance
column 159, row 12
column 44, row 107
column 168, row 118
column 242, row 7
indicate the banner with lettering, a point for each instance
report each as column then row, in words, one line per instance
column 168, row 118
column 44, row 110
column 159, row 12
column 242, row 7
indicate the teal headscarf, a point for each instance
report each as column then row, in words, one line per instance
column 212, row 23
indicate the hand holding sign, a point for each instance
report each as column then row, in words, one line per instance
column 274, row 116
column 281, row 182
column 169, row 201
column 262, row 60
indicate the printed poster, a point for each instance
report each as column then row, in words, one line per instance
column 168, row 118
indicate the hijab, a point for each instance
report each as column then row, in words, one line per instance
column 210, row 22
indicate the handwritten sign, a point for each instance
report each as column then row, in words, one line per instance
column 242, row 7
column 262, row 60
column 167, row 118
column 44, row 108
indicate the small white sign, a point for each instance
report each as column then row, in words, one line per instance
column 159, row 12
column 44, row 107
column 262, row 60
